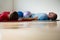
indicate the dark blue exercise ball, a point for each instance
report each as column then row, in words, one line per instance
column 20, row 14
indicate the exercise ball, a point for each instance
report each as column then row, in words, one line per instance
column 14, row 16
column 20, row 14
column 27, row 14
column 41, row 16
column 4, row 16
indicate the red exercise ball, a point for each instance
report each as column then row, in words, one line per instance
column 4, row 16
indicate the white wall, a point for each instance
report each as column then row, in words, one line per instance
column 37, row 6
column 6, row 5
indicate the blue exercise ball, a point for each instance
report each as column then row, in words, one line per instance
column 41, row 16
column 20, row 14
column 27, row 14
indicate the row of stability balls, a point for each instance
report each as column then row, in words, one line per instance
column 4, row 15
column 27, row 14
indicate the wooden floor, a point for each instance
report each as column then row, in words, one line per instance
column 35, row 30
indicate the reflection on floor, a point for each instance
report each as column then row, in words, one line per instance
column 28, row 24
column 34, row 30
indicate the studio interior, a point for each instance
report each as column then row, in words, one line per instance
column 29, row 19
